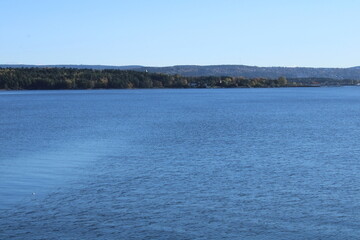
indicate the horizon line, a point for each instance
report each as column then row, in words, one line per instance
column 164, row 66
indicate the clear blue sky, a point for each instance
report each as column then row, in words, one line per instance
column 314, row 33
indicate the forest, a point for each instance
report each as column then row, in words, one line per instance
column 71, row 78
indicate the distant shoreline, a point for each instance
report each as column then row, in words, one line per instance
column 95, row 89
column 68, row 78
column 231, row 70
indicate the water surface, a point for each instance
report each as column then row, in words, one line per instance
column 180, row 164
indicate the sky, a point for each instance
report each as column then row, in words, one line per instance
column 304, row 33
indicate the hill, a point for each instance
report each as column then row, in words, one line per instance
column 225, row 70
column 258, row 72
column 96, row 67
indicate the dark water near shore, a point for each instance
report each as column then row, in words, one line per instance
column 180, row 164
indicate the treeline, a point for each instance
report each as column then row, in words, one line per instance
column 67, row 78
column 323, row 81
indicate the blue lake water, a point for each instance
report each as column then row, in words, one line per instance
column 180, row 164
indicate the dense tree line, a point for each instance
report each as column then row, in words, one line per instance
column 70, row 78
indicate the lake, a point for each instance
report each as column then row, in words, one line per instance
column 278, row 163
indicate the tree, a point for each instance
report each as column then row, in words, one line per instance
column 282, row 81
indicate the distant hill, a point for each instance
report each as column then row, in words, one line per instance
column 258, row 72
column 358, row 67
column 97, row 67
column 228, row 70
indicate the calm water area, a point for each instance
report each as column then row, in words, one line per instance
column 280, row 163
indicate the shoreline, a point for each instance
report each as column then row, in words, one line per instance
column 95, row 89
column 66, row 79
